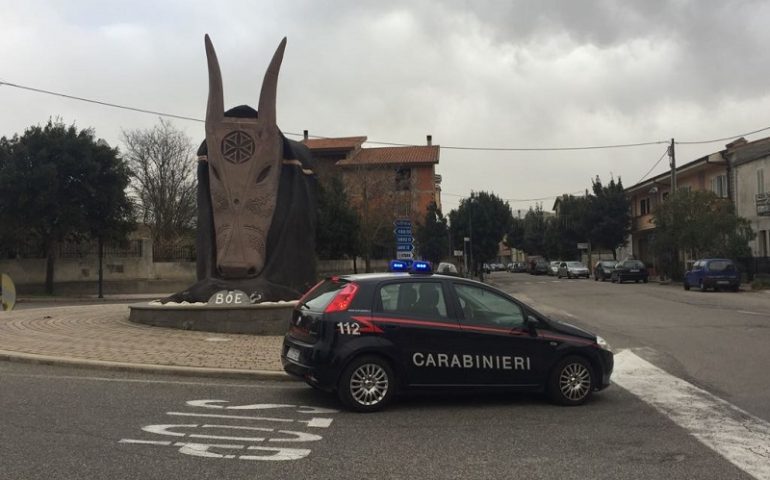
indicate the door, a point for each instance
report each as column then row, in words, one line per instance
column 415, row 316
column 498, row 348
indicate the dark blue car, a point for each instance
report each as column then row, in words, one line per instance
column 716, row 273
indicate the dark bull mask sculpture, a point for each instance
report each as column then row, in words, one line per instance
column 256, row 199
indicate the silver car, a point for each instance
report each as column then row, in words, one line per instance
column 572, row 270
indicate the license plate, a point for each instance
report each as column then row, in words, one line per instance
column 722, row 282
column 634, row 270
column 293, row 354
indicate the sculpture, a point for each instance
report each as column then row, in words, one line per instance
column 257, row 199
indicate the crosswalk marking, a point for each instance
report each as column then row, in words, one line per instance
column 740, row 437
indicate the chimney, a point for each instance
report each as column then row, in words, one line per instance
column 305, row 134
column 430, row 139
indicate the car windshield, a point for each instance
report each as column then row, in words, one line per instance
column 633, row 264
column 575, row 264
column 609, row 264
column 721, row 266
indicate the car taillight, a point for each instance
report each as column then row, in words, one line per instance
column 342, row 300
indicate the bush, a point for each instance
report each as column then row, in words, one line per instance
column 761, row 282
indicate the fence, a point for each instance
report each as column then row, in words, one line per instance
column 132, row 248
column 185, row 253
column 753, row 266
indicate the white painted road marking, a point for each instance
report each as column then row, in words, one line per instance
column 313, row 422
column 740, row 437
column 229, row 433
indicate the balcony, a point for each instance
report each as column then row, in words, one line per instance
column 763, row 204
column 642, row 222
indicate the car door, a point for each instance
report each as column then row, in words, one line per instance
column 498, row 349
column 415, row 316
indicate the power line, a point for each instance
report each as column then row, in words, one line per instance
column 446, row 147
column 653, row 167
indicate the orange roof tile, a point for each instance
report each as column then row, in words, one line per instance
column 341, row 143
column 393, row 156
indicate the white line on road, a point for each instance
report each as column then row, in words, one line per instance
column 754, row 313
column 740, row 437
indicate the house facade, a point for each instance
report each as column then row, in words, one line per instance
column 735, row 173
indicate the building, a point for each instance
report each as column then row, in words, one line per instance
column 735, row 173
column 750, row 191
column 400, row 181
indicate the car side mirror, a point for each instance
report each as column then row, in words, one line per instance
column 532, row 323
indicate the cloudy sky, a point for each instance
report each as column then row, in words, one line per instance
column 480, row 74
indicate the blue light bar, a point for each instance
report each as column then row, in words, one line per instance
column 421, row 267
column 397, row 266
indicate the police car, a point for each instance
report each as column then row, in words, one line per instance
column 369, row 336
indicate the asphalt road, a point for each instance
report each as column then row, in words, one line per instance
column 719, row 341
column 67, row 423
column 62, row 423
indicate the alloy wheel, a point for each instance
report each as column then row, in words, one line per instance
column 369, row 384
column 575, row 381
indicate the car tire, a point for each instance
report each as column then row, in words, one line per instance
column 367, row 384
column 571, row 381
column 645, row 280
column 686, row 285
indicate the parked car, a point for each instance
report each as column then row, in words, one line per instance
column 716, row 273
column 538, row 267
column 431, row 332
column 517, row 267
column 553, row 267
column 446, row 268
column 630, row 270
column 603, row 269
column 572, row 270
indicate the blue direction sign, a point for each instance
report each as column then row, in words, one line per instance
column 404, row 239
column 404, row 247
column 403, row 223
column 403, row 231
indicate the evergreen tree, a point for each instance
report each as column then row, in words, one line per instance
column 431, row 236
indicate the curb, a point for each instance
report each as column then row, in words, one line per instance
column 34, row 358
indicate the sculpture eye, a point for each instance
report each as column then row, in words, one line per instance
column 263, row 174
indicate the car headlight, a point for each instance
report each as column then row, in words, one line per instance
column 603, row 343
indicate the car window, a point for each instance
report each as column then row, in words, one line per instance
column 424, row 299
column 721, row 266
column 633, row 264
column 483, row 307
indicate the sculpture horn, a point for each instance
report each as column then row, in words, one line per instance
column 266, row 109
column 215, row 110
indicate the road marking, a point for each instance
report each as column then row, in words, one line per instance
column 229, row 433
column 740, row 437
column 313, row 422
column 754, row 313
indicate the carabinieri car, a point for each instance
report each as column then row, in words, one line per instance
column 369, row 336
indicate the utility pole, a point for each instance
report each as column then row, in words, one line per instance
column 672, row 163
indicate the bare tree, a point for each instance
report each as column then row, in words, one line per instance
column 163, row 167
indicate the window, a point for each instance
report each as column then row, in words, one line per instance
column 761, row 180
column 719, row 186
column 485, row 308
column 423, row 299
column 403, row 179
column 644, row 206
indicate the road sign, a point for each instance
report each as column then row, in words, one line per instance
column 404, row 239
column 582, row 246
column 403, row 231
column 403, row 223
column 458, row 253
column 404, row 247
column 405, row 255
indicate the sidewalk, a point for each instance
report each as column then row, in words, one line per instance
column 101, row 336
